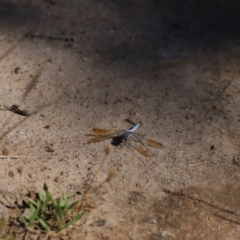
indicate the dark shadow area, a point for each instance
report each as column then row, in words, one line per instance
column 162, row 30
column 18, row 14
column 139, row 31
column 117, row 141
column 134, row 33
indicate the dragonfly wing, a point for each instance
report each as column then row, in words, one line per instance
column 139, row 146
column 101, row 131
column 141, row 138
column 130, row 121
column 144, row 152
column 98, row 139
column 99, row 134
column 136, row 137
column 153, row 143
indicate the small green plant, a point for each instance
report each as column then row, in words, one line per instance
column 50, row 213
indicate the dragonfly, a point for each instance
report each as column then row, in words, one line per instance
column 127, row 137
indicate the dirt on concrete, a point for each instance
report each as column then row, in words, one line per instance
column 70, row 66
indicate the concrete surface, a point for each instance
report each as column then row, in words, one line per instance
column 77, row 65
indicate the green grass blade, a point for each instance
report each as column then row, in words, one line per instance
column 33, row 208
column 31, row 201
column 43, row 224
column 74, row 220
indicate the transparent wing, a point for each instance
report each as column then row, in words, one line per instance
column 139, row 142
column 152, row 143
column 148, row 141
column 100, row 134
column 135, row 141
column 136, row 137
column 141, row 148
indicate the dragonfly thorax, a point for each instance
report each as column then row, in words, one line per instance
column 126, row 134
